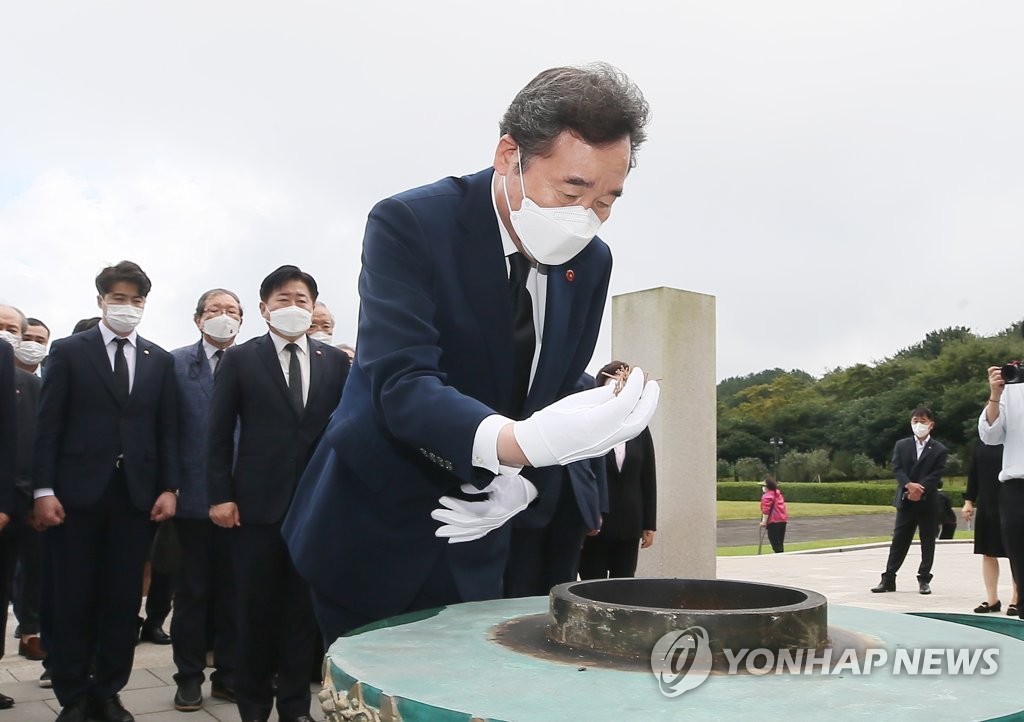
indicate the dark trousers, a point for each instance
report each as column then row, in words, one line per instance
column 776, row 535
column 8, row 559
column 540, row 559
column 28, row 579
column 1011, row 522
column 276, row 628
column 92, row 582
column 204, row 598
column 608, row 558
column 922, row 516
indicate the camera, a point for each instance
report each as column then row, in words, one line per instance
column 1012, row 373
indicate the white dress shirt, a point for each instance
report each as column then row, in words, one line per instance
column 285, row 357
column 921, row 443
column 1007, row 430
column 485, row 441
column 210, row 350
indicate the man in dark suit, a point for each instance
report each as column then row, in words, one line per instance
column 20, row 537
column 204, row 585
column 547, row 540
column 281, row 389
column 8, row 451
column 105, row 468
column 918, row 463
column 480, row 303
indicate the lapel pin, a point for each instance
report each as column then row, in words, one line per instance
column 570, row 275
column 145, row 351
column 319, row 353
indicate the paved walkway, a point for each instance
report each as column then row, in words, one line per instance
column 843, row 576
column 810, row 528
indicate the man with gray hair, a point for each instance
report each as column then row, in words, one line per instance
column 480, row 304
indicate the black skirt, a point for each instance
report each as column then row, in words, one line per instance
column 988, row 535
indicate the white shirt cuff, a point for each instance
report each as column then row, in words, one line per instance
column 42, row 492
column 485, row 446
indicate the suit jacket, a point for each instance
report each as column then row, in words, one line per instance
column 434, row 357
column 8, row 428
column 632, row 492
column 83, row 426
column 927, row 470
column 275, row 442
column 194, row 382
column 27, row 387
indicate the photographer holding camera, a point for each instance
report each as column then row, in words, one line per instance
column 1002, row 422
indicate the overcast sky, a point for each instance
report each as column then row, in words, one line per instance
column 842, row 176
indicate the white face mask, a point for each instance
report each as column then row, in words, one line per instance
column 30, row 353
column 122, row 319
column 10, row 338
column 322, row 337
column 291, row 320
column 551, row 236
column 920, row 430
column 221, row 328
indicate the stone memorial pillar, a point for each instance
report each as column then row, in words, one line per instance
column 671, row 334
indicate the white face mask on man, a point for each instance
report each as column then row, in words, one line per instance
column 291, row 320
column 221, row 328
column 551, row 236
column 122, row 319
column 10, row 338
column 921, row 430
column 30, row 353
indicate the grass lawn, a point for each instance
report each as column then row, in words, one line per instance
column 821, row 544
column 729, row 510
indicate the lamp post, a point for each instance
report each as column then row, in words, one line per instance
column 776, row 442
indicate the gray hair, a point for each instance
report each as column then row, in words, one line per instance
column 24, row 319
column 596, row 102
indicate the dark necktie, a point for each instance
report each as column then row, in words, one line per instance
column 121, row 369
column 295, row 378
column 219, row 355
column 523, row 330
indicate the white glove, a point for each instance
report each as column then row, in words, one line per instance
column 588, row 423
column 469, row 520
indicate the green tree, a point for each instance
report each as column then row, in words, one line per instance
column 750, row 469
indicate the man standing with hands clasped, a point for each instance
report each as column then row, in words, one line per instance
column 1002, row 422
column 279, row 390
column 105, row 468
column 918, row 463
column 480, row 303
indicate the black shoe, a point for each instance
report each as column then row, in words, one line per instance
column 77, row 711
column 886, row 585
column 1011, row 611
column 985, row 607
column 189, row 696
column 222, row 690
column 111, row 710
column 44, row 679
column 6, row 702
column 300, row 718
column 924, row 588
column 156, row 635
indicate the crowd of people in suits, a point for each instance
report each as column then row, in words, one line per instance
column 462, row 455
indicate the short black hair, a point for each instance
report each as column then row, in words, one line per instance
column 283, row 275
column 124, row 271
column 923, row 412
column 770, row 484
column 37, row 322
column 85, row 324
column 201, row 303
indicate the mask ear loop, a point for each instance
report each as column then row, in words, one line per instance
column 504, row 185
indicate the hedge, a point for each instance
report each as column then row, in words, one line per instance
column 837, row 492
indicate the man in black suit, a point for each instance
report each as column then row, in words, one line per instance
column 918, row 463
column 105, row 468
column 8, row 446
column 281, row 388
column 20, row 537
